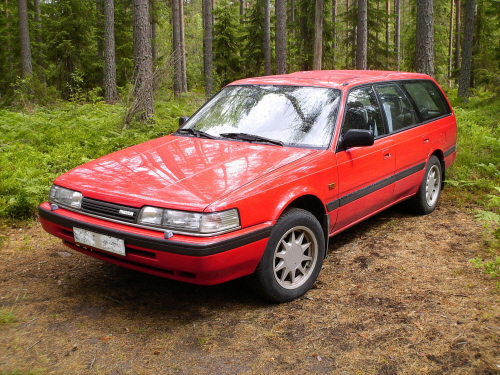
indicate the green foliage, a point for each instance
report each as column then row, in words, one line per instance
column 67, row 41
column 486, row 54
column 35, row 148
column 302, row 39
column 253, row 39
column 483, row 215
column 491, row 267
column 227, row 43
column 478, row 156
column 378, row 50
column 477, row 170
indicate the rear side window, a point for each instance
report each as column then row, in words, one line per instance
column 430, row 103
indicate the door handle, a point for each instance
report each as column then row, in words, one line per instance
column 386, row 154
column 425, row 138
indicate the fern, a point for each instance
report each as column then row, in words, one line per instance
column 487, row 216
column 492, row 267
column 35, row 148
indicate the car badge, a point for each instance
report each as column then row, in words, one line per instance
column 125, row 212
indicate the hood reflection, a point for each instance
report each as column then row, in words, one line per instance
column 177, row 172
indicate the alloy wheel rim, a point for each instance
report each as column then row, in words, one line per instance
column 432, row 185
column 295, row 257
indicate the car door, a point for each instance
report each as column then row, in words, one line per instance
column 411, row 138
column 365, row 173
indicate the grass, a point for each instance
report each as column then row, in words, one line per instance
column 7, row 316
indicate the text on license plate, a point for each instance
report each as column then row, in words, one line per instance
column 99, row 241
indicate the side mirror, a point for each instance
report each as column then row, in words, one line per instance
column 182, row 120
column 358, row 138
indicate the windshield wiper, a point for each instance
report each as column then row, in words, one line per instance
column 196, row 133
column 251, row 138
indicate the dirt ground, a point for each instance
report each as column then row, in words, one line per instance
column 397, row 295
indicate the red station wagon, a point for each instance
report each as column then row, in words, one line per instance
column 258, row 179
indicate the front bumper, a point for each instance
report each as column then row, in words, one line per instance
column 196, row 260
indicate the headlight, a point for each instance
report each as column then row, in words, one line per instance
column 65, row 197
column 193, row 222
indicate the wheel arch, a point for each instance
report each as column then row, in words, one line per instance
column 315, row 206
column 440, row 155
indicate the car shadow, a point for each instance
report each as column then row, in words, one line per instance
column 96, row 287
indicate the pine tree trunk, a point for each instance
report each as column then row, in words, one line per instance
column 242, row 8
column 458, row 34
column 177, row 48
column 267, row 37
column 466, row 68
column 424, row 58
column 388, row 31
column 280, row 36
column 362, row 35
column 347, row 34
column 99, row 6
column 8, row 46
column 154, row 22
column 38, row 20
column 334, row 31
column 110, row 90
column 450, row 41
column 143, row 62
column 183, row 47
column 318, row 36
column 207, row 47
column 24, row 34
column 397, row 33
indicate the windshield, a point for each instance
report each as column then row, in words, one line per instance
column 293, row 115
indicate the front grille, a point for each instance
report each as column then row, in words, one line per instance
column 110, row 210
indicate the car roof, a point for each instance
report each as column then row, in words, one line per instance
column 330, row 78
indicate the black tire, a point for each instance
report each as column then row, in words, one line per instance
column 293, row 258
column 427, row 197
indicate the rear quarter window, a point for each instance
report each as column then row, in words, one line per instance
column 428, row 99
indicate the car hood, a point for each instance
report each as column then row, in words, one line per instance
column 177, row 172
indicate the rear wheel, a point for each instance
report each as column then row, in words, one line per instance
column 292, row 259
column 427, row 197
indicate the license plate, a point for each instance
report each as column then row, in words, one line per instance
column 99, row 241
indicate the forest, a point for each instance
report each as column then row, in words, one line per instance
column 91, row 50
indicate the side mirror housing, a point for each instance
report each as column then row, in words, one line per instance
column 357, row 138
column 182, row 120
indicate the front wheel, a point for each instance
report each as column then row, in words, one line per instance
column 426, row 199
column 292, row 259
